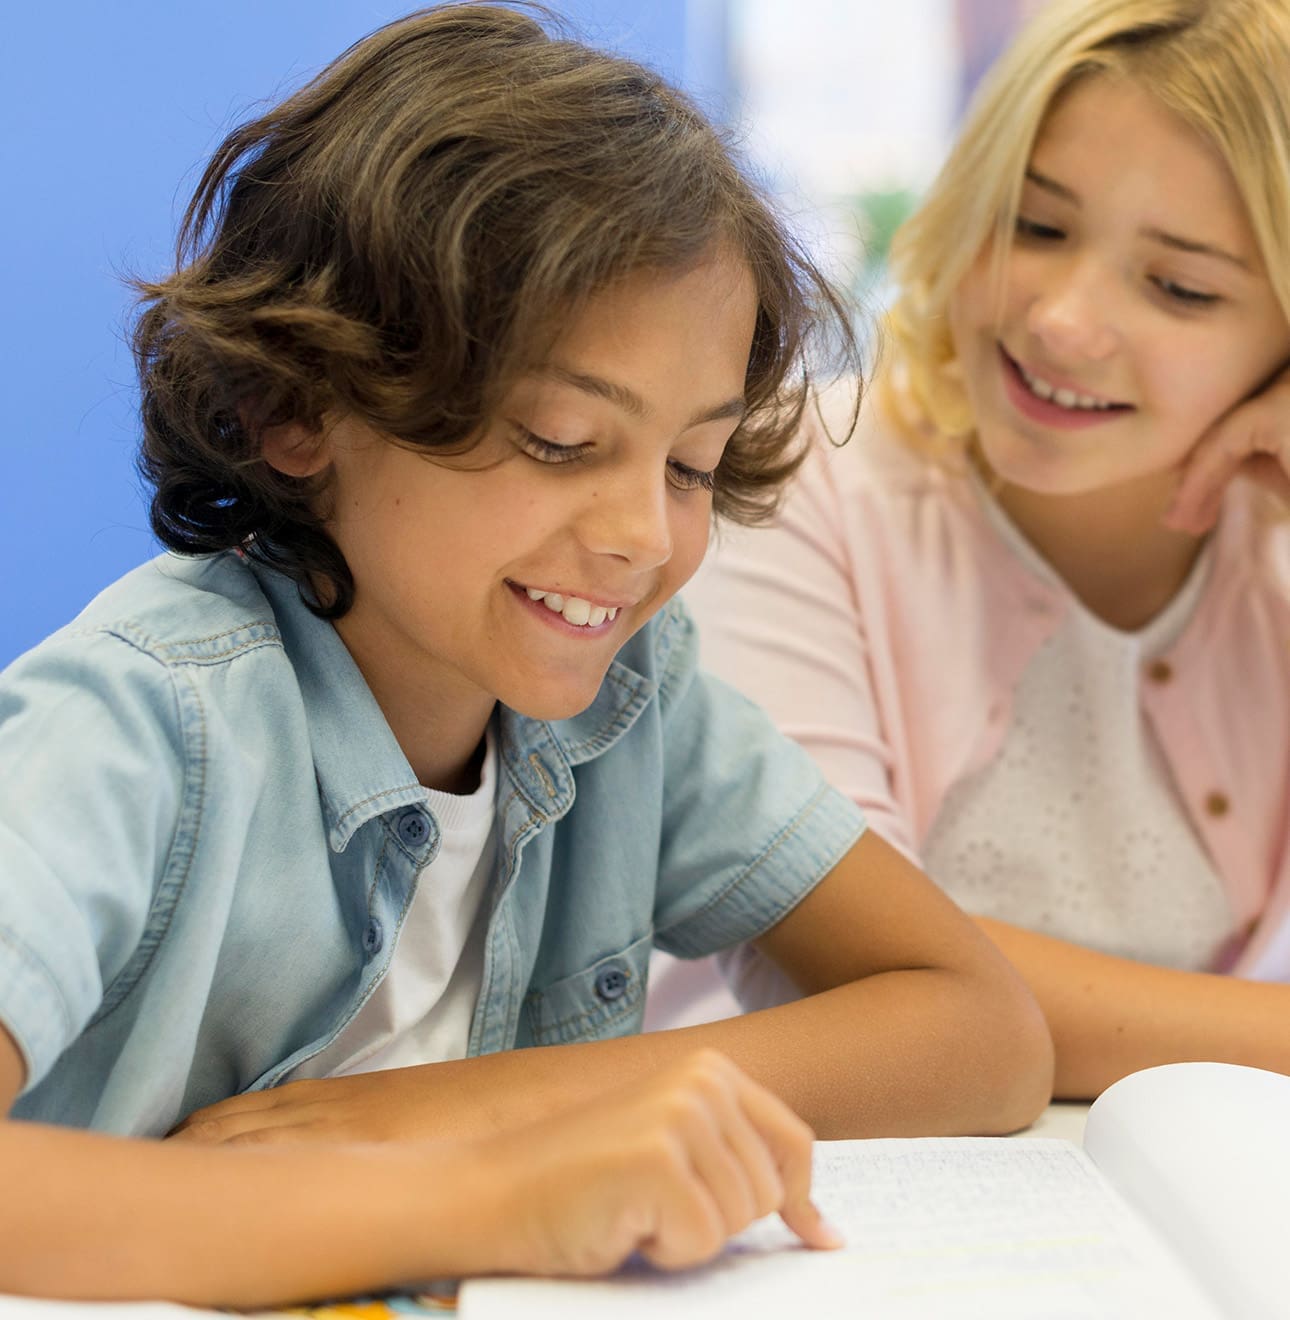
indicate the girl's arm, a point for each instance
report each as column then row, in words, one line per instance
column 1111, row 1016
column 670, row 1169
column 914, row 1024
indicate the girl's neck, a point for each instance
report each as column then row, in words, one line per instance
column 1109, row 546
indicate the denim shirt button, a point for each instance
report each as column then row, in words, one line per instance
column 611, row 982
column 373, row 937
column 413, row 828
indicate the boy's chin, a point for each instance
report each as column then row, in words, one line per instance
column 561, row 702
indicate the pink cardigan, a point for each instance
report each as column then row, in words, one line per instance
column 884, row 624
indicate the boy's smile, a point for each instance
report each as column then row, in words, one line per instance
column 516, row 572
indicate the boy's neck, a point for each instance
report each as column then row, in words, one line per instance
column 437, row 721
column 1109, row 546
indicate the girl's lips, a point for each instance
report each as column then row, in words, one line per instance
column 1046, row 411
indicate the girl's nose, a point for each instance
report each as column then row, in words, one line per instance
column 1074, row 317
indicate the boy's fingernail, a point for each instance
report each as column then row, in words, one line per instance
column 830, row 1235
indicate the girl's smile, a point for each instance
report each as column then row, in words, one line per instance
column 1135, row 309
column 1045, row 399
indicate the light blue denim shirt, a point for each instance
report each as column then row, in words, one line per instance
column 209, row 838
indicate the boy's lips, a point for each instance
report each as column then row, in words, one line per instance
column 582, row 613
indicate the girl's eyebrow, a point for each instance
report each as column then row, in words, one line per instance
column 1163, row 236
column 631, row 402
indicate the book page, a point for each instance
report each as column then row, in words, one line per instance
column 970, row 1228
column 1204, row 1148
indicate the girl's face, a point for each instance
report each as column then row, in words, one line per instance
column 516, row 572
column 1136, row 310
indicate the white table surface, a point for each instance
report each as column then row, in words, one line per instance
column 1062, row 1118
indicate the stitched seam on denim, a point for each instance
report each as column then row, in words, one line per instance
column 617, row 721
column 374, row 797
column 173, row 653
column 671, row 632
column 517, row 789
column 543, row 774
column 602, row 1011
column 223, row 657
column 33, row 959
column 376, row 873
column 777, row 841
column 169, row 891
column 577, row 1023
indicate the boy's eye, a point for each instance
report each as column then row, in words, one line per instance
column 1034, row 230
column 684, row 477
column 548, row 451
column 1180, row 293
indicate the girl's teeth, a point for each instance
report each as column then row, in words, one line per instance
column 581, row 613
column 1064, row 398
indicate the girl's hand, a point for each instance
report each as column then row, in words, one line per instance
column 1253, row 440
column 670, row 1169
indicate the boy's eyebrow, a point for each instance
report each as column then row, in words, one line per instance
column 1176, row 241
column 631, row 402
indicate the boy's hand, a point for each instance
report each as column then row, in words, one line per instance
column 670, row 1169
column 1253, row 440
column 395, row 1105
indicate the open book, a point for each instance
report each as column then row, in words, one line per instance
column 1177, row 1205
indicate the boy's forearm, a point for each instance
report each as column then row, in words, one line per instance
column 1111, row 1016
column 94, row 1217
column 898, row 1053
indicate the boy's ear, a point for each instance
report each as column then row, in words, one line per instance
column 295, row 450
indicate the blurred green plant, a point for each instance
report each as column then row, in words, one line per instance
column 878, row 213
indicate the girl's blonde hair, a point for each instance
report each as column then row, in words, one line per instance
column 1223, row 66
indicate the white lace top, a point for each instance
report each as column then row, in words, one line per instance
column 1075, row 828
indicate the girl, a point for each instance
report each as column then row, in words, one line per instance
column 401, row 759
column 1014, row 620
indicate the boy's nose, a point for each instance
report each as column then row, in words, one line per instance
column 629, row 517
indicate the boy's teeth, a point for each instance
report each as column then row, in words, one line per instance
column 575, row 610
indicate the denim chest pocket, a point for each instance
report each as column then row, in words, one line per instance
column 605, row 999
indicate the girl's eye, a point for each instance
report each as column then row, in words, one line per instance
column 1179, row 293
column 1034, row 230
column 685, row 477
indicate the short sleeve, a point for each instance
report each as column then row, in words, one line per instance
column 91, row 782
column 749, row 824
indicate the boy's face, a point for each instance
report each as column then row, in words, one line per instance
column 587, row 487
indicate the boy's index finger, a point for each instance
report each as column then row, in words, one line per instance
column 791, row 1143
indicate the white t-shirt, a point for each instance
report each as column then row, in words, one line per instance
column 422, row 1009
column 1075, row 829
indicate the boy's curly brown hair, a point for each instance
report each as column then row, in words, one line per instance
column 401, row 237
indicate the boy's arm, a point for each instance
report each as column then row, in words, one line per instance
column 913, row 1024
column 670, row 1170
column 1111, row 1016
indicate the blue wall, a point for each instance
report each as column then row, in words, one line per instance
column 107, row 112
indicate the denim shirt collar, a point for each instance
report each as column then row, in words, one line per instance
column 362, row 771
column 540, row 755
